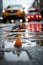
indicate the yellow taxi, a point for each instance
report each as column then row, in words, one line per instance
column 13, row 12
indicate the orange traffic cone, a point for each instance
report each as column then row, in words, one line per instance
column 18, row 43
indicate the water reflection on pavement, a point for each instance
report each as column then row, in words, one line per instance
column 13, row 57
column 10, row 56
column 36, row 53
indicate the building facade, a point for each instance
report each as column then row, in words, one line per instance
column 1, row 7
column 36, row 3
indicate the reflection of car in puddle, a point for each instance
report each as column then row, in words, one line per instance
column 16, row 30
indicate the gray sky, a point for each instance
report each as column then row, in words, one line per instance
column 25, row 3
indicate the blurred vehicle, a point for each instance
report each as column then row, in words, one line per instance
column 33, row 15
column 13, row 12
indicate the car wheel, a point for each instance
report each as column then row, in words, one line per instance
column 4, row 20
column 7, row 21
column 23, row 19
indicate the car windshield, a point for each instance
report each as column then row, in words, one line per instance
column 33, row 12
column 15, row 6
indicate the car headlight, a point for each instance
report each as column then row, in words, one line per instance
column 3, row 10
column 12, row 21
column 21, row 20
column 21, row 10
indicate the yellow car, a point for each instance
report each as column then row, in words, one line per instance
column 13, row 12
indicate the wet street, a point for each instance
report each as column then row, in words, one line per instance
column 21, row 32
column 34, row 50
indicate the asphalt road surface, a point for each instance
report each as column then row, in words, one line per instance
column 36, row 51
